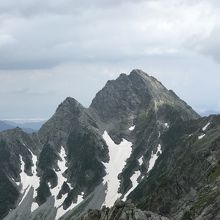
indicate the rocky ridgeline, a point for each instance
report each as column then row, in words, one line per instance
column 121, row 211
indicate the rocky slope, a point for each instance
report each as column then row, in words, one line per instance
column 17, row 151
column 89, row 157
column 138, row 100
column 184, row 183
column 121, row 211
column 121, row 101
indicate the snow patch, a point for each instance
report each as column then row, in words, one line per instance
column 137, row 174
column 61, row 211
column 118, row 155
column 206, row 126
column 28, row 181
column 132, row 128
column 60, row 178
column 134, row 181
column 35, row 181
column 154, row 158
column 166, row 125
column 201, row 136
column 134, row 178
column 140, row 160
column 17, row 183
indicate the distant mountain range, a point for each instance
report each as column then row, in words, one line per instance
column 5, row 126
column 137, row 152
column 28, row 127
column 210, row 112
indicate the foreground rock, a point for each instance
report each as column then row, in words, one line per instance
column 121, row 211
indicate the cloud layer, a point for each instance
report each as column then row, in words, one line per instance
column 52, row 49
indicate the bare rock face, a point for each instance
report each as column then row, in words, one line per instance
column 121, row 211
column 14, row 143
column 121, row 101
column 23, row 212
column 185, row 181
column 56, row 130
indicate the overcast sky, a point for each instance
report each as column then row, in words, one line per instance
column 51, row 49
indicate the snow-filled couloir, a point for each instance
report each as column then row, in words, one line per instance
column 118, row 155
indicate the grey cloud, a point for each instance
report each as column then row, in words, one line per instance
column 53, row 49
column 210, row 46
column 127, row 30
column 34, row 7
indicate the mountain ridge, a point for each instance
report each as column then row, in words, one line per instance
column 135, row 107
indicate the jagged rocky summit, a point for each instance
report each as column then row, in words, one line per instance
column 137, row 141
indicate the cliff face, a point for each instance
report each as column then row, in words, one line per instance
column 121, row 101
column 184, row 183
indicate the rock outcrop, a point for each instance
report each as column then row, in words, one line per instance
column 121, row 211
column 185, row 181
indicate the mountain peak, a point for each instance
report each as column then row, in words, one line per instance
column 134, row 72
column 139, row 72
column 70, row 101
column 70, row 104
column 133, row 93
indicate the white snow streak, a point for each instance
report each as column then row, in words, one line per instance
column 28, row 181
column 35, row 181
column 134, row 181
column 201, row 136
column 137, row 174
column 166, row 125
column 154, row 158
column 132, row 128
column 118, row 155
column 61, row 179
column 206, row 126
column 61, row 211
column 24, row 180
column 204, row 129
column 140, row 161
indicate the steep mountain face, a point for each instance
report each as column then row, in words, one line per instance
column 121, row 101
column 141, row 101
column 184, row 183
column 57, row 129
column 87, row 158
column 16, row 162
column 73, row 128
column 46, row 211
